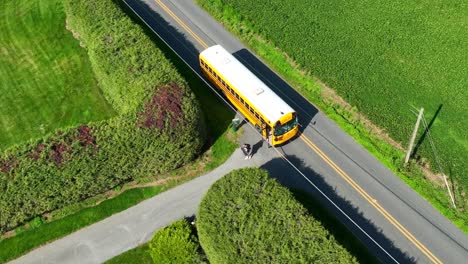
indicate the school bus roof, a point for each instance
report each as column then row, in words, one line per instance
column 251, row 87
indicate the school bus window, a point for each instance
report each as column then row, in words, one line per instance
column 211, row 71
column 202, row 63
column 237, row 96
column 222, row 81
column 256, row 115
column 242, row 101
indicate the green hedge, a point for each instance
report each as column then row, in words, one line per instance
column 126, row 61
column 175, row 243
column 247, row 217
column 159, row 129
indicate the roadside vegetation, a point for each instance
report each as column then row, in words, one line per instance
column 247, row 217
column 55, row 224
column 46, row 80
column 382, row 61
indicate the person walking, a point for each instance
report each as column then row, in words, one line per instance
column 247, row 149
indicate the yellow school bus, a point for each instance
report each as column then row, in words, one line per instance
column 254, row 99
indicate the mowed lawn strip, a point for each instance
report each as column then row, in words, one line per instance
column 46, row 81
column 23, row 242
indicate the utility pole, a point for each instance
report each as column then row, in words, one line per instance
column 413, row 137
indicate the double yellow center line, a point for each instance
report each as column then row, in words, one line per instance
column 182, row 24
column 371, row 200
column 335, row 167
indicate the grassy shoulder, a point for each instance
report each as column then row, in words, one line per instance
column 46, row 80
column 381, row 59
column 312, row 89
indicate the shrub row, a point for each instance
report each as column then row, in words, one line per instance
column 159, row 127
column 126, row 62
column 246, row 217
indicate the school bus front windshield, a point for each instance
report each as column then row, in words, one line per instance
column 281, row 130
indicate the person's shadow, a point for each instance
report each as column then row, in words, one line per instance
column 257, row 146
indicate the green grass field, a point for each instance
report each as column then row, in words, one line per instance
column 382, row 58
column 46, row 81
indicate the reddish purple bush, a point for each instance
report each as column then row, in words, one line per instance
column 57, row 153
column 8, row 164
column 86, row 137
column 36, row 154
column 164, row 108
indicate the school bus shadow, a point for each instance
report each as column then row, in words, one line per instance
column 344, row 231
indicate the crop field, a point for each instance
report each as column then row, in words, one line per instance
column 383, row 58
column 46, row 81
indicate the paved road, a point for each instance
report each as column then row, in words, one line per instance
column 392, row 220
column 404, row 227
